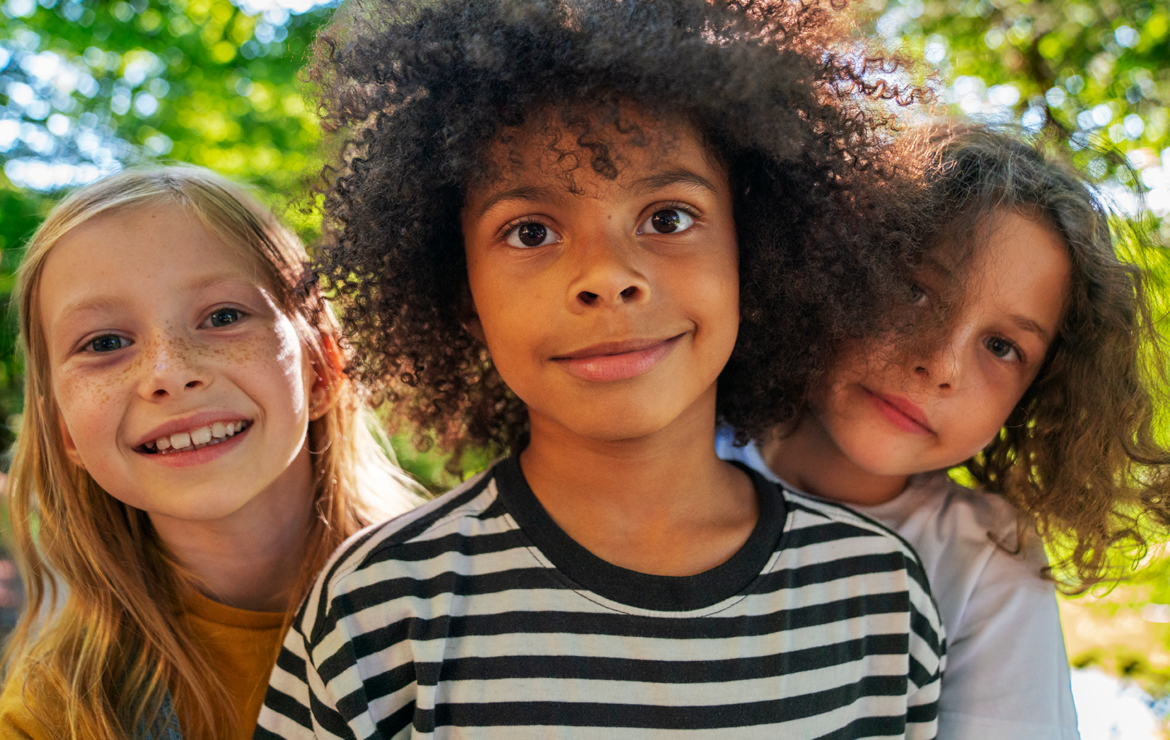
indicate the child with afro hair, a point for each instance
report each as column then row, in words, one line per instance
column 577, row 234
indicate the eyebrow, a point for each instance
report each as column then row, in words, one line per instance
column 521, row 192
column 87, row 305
column 1027, row 324
column 640, row 187
column 671, row 177
column 109, row 303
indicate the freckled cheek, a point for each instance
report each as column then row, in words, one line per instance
column 86, row 408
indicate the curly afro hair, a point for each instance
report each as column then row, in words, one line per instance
column 783, row 95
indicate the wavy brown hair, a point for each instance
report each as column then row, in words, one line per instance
column 1080, row 456
column 115, row 646
column 780, row 92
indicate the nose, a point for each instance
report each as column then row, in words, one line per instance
column 172, row 368
column 608, row 274
column 940, row 368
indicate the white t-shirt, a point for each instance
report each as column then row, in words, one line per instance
column 1007, row 675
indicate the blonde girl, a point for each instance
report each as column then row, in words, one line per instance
column 191, row 452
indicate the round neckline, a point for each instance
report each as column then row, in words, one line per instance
column 634, row 588
column 204, row 607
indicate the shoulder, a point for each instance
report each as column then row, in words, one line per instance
column 404, row 545
column 827, row 532
column 960, row 532
column 25, row 706
column 862, row 566
column 831, row 521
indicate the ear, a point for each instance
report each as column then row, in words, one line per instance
column 326, row 371
column 67, row 442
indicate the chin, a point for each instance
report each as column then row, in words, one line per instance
column 880, row 460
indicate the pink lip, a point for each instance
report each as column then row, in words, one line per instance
column 609, row 361
column 900, row 412
column 187, row 423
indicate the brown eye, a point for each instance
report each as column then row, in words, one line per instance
column 531, row 234
column 667, row 221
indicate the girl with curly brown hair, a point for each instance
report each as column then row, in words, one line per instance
column 576, row 233
column 1034, row 365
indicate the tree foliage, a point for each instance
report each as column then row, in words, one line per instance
column 1095, row 73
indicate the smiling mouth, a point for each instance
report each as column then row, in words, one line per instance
column 195, row 439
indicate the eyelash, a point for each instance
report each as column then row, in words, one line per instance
column 671, row 206
column 87, row 346
column 515, row 223
column 241, row 314
column 667, row 206
column 1020, row 358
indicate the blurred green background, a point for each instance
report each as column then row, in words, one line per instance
column 88, row 87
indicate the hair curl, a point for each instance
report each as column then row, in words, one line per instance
column 780, row 92
column 1080, row 455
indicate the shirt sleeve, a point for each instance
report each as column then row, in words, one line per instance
column 310, row 694
column 23, row 710
column 928, row 661
column 1007, row 673
column 320, row 686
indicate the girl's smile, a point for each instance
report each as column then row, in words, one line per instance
column 181, row 386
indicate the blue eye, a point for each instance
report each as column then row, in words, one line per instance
column 107, row 343
column 225, row 316
column 1001, row 348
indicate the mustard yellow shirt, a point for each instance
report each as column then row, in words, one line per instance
column 241, row 646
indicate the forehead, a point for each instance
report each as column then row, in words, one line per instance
column 133, row 252
column 586, row 153
column 1023, row 265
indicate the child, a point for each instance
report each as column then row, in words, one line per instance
column 190, row 453
column 583, row 204
column 1038, row 387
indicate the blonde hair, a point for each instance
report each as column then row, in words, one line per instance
column 115, row 647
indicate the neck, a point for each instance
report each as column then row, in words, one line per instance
column 661, row 504
column 810, row 460
column 251, row 558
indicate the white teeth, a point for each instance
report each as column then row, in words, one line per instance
column 196, row 438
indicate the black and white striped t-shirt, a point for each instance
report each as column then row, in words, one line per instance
column 475, row 616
